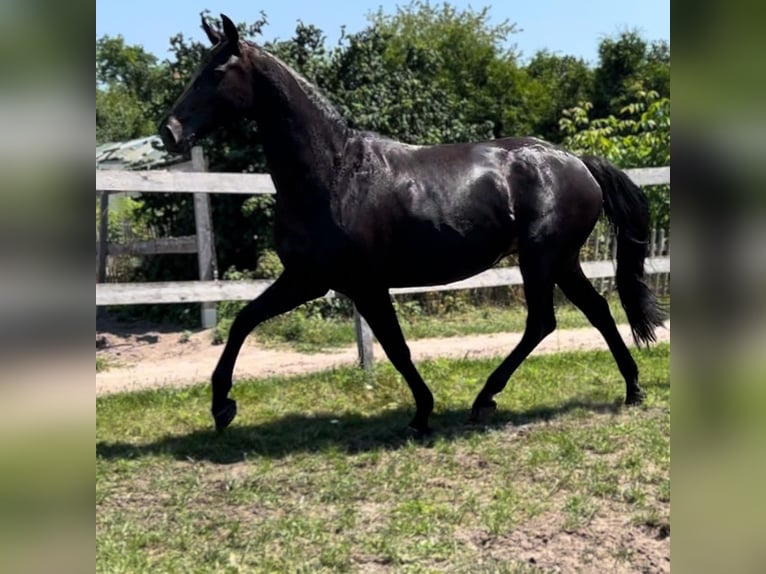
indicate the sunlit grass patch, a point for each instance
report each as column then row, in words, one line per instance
column 317, row 474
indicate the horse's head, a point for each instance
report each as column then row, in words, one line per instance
column 218, row 90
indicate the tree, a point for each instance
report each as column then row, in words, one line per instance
column 130, row 87
column 404, row 101
column 557, row 83
column 128, row 66
column 461, row 60
column 628, row 64
column 657, row 68
column 641, row 138
column 120, row 116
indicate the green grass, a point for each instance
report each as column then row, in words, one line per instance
column 317, row 474
column 102, row 364
column 312, row 333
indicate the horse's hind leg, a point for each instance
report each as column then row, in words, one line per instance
column 579, row 290
column 377, row 309
column 286, row 293
column 541, row 321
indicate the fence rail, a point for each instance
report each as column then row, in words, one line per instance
column 208, row 291
column 256, row 183
column 184, row 182
column 212, row 291
column 163, row 245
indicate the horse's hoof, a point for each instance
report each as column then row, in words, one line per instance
column 225, row 414
column 481, row 415
column 635, row 398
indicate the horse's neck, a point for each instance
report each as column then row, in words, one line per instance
column 301, row 141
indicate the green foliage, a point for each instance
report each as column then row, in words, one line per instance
column 403, row 100
column 131, row 89
column 640, row 138
column 120, row 116
column 557, row 83
column 124, row 65
column 628, row 64
column 269, row 265
column 460, row 65
column 127, row 221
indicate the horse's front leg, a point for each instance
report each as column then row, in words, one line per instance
column 287, row 292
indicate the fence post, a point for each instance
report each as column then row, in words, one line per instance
column 103, row 236
column 363, row 341
column 663, row 286
column 205, row 243
column 596, row 233
column 653, row 245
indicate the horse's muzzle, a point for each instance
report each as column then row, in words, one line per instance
column 171, row 132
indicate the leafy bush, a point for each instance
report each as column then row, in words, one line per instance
column 641, row 138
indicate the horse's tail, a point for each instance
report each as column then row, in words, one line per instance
column 627, row 207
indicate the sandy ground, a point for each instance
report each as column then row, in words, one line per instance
column 143, row 359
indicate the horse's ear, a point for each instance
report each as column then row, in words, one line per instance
column 212, row 35
column 231, row 33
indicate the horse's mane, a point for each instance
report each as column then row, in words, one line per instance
column 313, row 93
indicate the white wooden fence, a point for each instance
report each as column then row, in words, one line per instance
column 208, row 289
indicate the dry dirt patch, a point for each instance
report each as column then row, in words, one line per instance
column 141, row 358
column 609, row 543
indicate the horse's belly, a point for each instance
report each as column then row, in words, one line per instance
column 444, row 258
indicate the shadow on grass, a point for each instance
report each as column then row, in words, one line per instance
column 348, row 432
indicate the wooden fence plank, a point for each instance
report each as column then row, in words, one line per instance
column 208, row 291
column 156, row 181
column 649, row 175
column 489, row 278
column 161, row 246
column 178, row 292
column 183, row 182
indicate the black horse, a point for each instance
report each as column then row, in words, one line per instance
column 359, row 213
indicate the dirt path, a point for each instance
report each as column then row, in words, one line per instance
column 146, row 360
